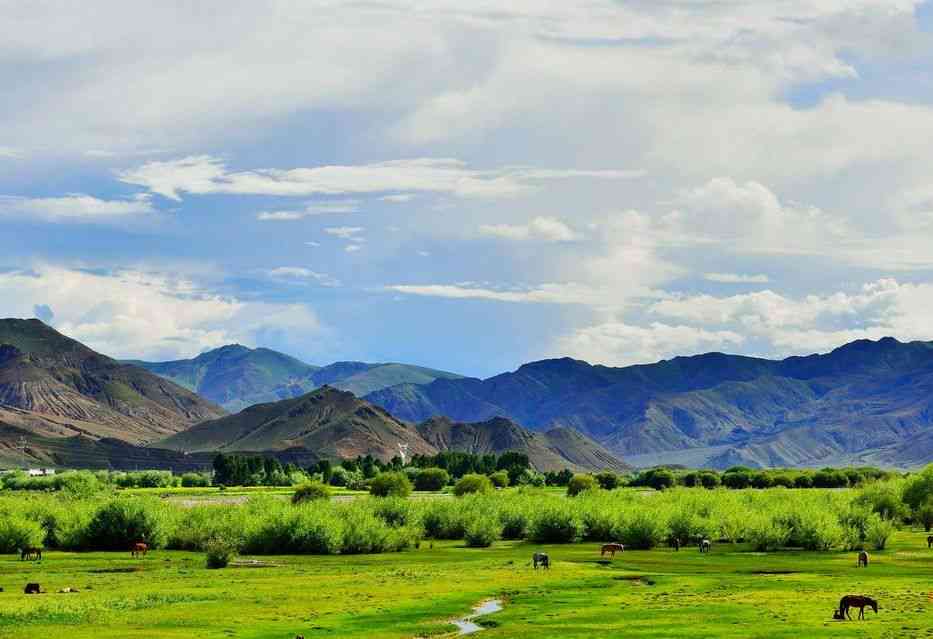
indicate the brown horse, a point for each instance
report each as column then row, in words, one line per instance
column 862, row 559
column 139, row 548
column 30, row 554
column 612, row 549
column 856, row 601
column 930, row 541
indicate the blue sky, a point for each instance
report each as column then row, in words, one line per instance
column 468, row 187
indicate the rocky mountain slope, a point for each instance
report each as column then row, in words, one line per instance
column 55, row 386
column 332, row 423
column 863, row 401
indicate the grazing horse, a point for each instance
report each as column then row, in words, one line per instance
column 705, row 545
column 540, row 558
column 32, row 589
column 930, row 541
column 138, row 549
column 612, row 549
column 862, row 559
column 856, row 601
column 30, row 554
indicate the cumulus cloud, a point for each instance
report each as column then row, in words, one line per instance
column 547, row 229
column 74, row 207
column 133, row 314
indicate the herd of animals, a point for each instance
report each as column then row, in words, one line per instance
column 543, row 560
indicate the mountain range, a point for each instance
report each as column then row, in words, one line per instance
column 235, row 376
column 864, row 402
column 330, row 423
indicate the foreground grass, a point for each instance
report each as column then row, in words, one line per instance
column 659, row 593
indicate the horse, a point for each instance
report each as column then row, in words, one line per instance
column 30, row 554
column 32, row 589
column 705, row 545
column 675, row 544
column 612, row 549
column 837, row 615
column 862, row 559
column 930, row 541
column 139, row 548
column 540, row 558
column 856, row 601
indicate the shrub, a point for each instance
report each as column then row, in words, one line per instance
column 363, row 532
column 581, row 483
column 195, row 480
column 555, row 523
column 499, row 479
column 919, row 488
column 395, row 511
column 432, row 479
column 607, row 480
column 643, row 530
column 737, row 480
column 764, row 533
column 473, row 484
column 17, row 532
column 310, row 491
column 482, row 532
column 878, row 531
column 122, row 521
column 709, row 479
column 924, row 514
column 219, row 552
column 515, row 520
column 390, row 484
column 443, row 521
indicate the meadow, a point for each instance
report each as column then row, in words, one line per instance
column 403, row 567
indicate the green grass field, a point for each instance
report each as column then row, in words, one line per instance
column 731, row 592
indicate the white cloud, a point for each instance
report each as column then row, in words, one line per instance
column 9, row 152
column 202, row 175
column 551, row 293
column 736, row 278
column 620, row 344
column 398, row 198
column 74, row 207
column 301, row 273
column 547, row 229
column 353, row 248
column 133, row 314
column 312, row 244
column 311, row 209
column 351, row 233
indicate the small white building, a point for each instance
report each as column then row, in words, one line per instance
column 40, row 472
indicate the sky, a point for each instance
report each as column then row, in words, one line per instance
column 468, row 186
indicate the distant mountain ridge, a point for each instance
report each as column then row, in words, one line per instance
column 865, row 401
column 330, row 423
column 236, row 377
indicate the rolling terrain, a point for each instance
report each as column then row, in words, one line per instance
column 235, row 376
column 331, row 423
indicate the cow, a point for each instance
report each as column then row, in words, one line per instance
column 705, row 545
column 30, row 553
column 139, row 548
column 862, row 560
column 32, row 589
column 541, row 559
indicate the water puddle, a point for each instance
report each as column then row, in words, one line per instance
column 467, row 625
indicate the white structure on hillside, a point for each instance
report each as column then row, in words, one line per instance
column 40, row 472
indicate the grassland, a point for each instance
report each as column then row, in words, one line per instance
column 732, row 592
